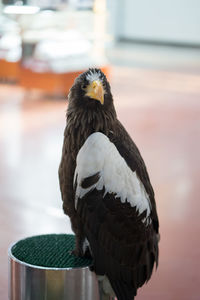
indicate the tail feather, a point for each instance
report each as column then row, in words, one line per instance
column 123, row 291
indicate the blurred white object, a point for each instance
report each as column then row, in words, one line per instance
column 8, row 25
column 63, row 52
column 20, row 9
column 49, row 50
column 10, row 40
column 82, row 4
column 71, row 43
column 10, row 47
column 45, row 3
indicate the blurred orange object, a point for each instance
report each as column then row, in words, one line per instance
column 9, row 70
column 58, row 83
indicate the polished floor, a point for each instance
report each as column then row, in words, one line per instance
column 159, row 104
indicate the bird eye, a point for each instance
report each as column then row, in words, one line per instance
column 83, row 86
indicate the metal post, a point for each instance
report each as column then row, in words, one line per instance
column 33, row 282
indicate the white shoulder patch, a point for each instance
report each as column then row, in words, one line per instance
column 98, row 154
column 93, row 75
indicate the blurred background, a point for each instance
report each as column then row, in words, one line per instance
column 150, row 52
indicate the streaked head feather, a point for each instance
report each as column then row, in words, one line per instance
column 93, row 75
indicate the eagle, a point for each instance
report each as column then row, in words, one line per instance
column 106, row 190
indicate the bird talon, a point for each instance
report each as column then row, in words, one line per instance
column 77, row 253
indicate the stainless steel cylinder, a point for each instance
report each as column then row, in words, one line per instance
column 32, row 282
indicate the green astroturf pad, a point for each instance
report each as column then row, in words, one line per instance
column 51, row 250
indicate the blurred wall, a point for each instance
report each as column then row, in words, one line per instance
column 176, row 21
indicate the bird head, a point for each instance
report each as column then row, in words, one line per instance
column 92, row 89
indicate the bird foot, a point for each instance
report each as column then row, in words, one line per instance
column 77, row 252
column 81, row 253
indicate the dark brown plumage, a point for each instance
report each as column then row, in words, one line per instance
column 123, row 246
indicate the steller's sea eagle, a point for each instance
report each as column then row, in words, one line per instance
column 106, row 190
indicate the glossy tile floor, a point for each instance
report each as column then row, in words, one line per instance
column 159, row 103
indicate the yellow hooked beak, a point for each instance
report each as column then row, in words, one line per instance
column 95, row 91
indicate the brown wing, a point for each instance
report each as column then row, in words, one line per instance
column 122, row 245
column 66, row 174
column 73, row 140
column 133, row 158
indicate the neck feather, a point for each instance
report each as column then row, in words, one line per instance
column 81, row 123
